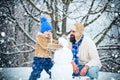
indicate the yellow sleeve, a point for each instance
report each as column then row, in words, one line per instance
column 42, row 42
column 54, row 44
column 45, row 45
column 55, row 41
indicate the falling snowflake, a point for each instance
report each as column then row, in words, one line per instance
column 112, row 5
column 99, row 13
column 2, row 41
column 113, row 68
column 113, row 55
column 118, row 71
column 9, row 62
column 7, row 52
column 6, row 21
column 0, row 13
column 14, row 57
column 116, row 14
column 25, row 14
column 10, row 22
column 2, row 65
column 3, row 34
column 116, row 56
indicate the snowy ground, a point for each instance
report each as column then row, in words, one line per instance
column 22, row 73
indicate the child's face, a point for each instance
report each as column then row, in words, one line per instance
column 48, row 34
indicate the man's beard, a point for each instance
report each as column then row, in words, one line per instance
column 72, row 39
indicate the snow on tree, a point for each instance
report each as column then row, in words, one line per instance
column 20, row 24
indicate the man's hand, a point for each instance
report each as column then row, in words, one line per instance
column 75, row 67
column 84, row 70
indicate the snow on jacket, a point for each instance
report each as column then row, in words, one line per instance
column 44, row 46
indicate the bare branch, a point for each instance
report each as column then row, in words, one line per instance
column 23, row 44
column 13, row 43
column 104, row 34
column 28, row 12
column 98, row 6
column 37, row 8
column 106, row 59
column 18, row 26
column 105, row 7
column 109, row 47
column 20, row 51
column 99, row 33
column 25, row 32
column 89, row 11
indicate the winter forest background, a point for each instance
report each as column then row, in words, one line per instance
column 19, row 24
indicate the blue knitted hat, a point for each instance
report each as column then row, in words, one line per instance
column 44, row 25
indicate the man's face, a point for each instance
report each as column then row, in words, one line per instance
column 72, row 35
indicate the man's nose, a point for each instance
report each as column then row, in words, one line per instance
column 71, row 32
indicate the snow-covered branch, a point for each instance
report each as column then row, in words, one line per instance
column 19, row 51
column 106, row 31
column 105, row 7
column 25, row 63
column 25, row 32
column 28, row 12
column 37, row 8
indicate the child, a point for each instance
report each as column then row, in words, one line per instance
column 44, row 46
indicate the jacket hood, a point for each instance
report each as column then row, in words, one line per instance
column 79, row 27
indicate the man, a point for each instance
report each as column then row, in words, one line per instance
column 43, row 50
column 86, row 60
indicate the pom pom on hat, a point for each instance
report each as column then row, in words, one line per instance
column 44, row 25
column 43, row 19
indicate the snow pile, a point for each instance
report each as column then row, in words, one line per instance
column 23, row 73
column 62, row 69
